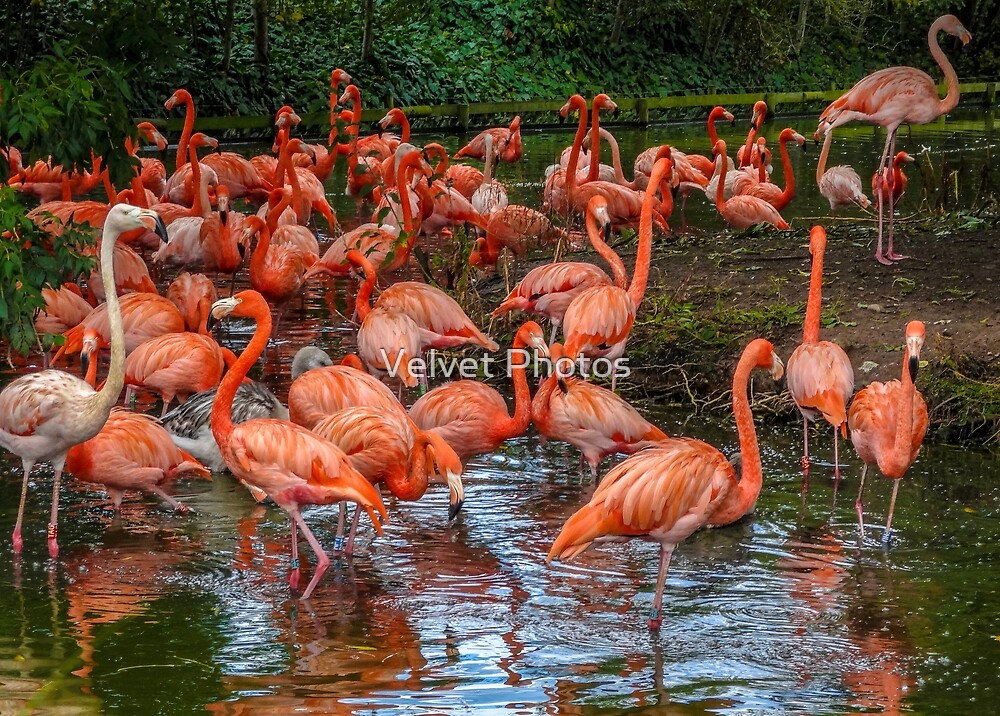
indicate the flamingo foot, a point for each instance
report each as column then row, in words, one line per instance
column 861, row 517
column 18, row 542
column 886, row 537
column 53, row 541
column 338, row 545
column 293, row 575
column 892, row 255
column 883, row 260
column 655, row 619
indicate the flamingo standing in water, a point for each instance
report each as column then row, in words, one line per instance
column 669, row 491
column 899, row 95
column 820, row 376
column 500, row 136
column 742, row 211
column 750, row 153
column 888, row 422
column 326, row 390
column 888, row 188
column 291, row 465
column 44, row 414
column 471, row 416
column 841, row 185
column 772, row 193
column 593, row 419
column 175, row 365
column 598, row 321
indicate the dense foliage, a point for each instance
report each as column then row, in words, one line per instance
column 249, row 56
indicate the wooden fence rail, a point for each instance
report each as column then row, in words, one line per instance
column 639, row 107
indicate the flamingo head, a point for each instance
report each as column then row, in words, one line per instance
column 914, row 342
column 759, row 114
column 126, row 217
column 602, row 101
column 903, row 158
column 576, row 102
column 339, row 77
column 351, row 94
column 181, row 95
column 245, row 304
column 446, row 463
column 515, row 124
column 203, row 140
column 91, row 342
column 720, row 148
column 953, row 26
column 530, row 335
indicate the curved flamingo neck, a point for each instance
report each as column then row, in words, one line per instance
column 221, row 417
column 713, row 116
column 950, row 100
column 103, row 400
column 786, row 162
column 637, row 288
column 579, row 104
column 404, row 126
column 285, row 167
column 411, row 223
column 362, row 304
column 748, row 147
column 517, row 424
column 355, row 128
column 720, row 190
column 752, row 476
column 257, row 260
column 616, row 159
column 488, row 173
column 606, row 252
column 408, row 481
column 823, row 156
column 182, row 143
column 442, row 155
column 810, row 330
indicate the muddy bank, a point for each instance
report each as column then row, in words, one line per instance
column 709, row 294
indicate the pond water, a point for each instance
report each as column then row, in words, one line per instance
column 787, row 611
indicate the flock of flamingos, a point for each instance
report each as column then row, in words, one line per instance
column 345, row 431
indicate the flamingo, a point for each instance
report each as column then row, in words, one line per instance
column 397, row 116
column 769, row 192
column 363, row 172
column 276, row 271
column 407, row 319
column 669, row 491
column 385, row 245
column 742, row 211
column 174, row 206
column 598, row 321
column 193, row 295
column 750, row 154
column 291, row 465
column 841, row 185
column 65, row 307
column 132, row 452
column 548, row 290
column 700, row 162
column 513, row 227
column 500, row 136
column 152, row 174
column 888, row 188
column 307, row 190
column 888, row 422
column 44, row 414
column 463, row 178
column 491, row 195
column 899, row 95
column 234, row 171
column 326, row 390
column 175, row 365
column 386, row 447
column 143, row 315
column 471, row 416
column 593, row 419
column 820, row 376
column 189, row 423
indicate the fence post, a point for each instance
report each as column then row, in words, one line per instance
column 991, row 93
column 463, row 116
column 642, row 109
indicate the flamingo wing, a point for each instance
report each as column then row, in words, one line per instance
column 821, row 378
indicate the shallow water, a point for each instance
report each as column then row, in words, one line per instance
column 786, row 611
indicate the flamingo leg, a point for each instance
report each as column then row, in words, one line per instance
column 878, row 251
column 661, row 577
column 17, row 541
column 338, row 541
column 805, row 457
column 349, row 548
column 836, row 457
column 555, row 332
column 322, row 561
column 892, row 506
column 859, row 505
column 53, row 529
column 890, row 254
column 293, row 572
column 173, row 502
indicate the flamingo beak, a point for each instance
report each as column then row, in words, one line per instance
column 220, row 309
column 777, row 367
column 84, row 361
column 157, row 223
column 457, row 494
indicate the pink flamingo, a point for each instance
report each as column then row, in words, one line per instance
column 668, row 492
column 741, row 211
column 888, row 422
column 771, row 193
column 471, row 416
column 175, row 365
column 841, row 185
column 326, row 390
column 750, row 154
column 44, row 414
column 888, row 188
column 820, row 376
column 291, row 465
column 899, row 95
